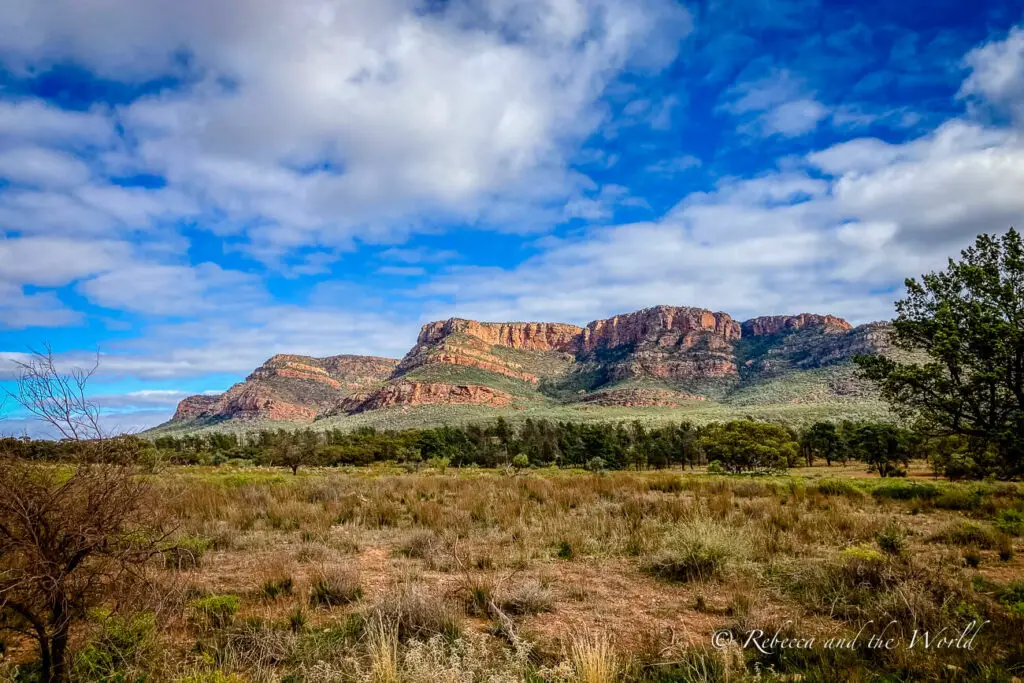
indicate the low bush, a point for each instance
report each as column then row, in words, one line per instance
column 966, row 534
column 528, row 597
column 278, row 587
column 838, row 487
column 698, row 551
column 417, row 612
column 187, row 552
column 1011, row 522
column 334, row 587
column 215, row 611
column 892, row 539
column 905, row 490
column 123, row 644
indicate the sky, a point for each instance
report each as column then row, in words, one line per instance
column 189, row 188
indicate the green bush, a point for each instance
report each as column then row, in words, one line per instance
column 521, row 461
column 742, row 445
column 892, row 539
column 959, row 499
column 277, row 587
column 838, row 487
column 1012, row 596
column 906, row 490
column 187, row 552
column 698, row 551
column 966, row 534
column 215, row 611
column 1011, row 522
column 596, row 465
column 715, row 467
column 122, row 642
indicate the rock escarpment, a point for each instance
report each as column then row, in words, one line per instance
column 472, row 344
column 290, row 388
column 659, row 356
column 424, row 393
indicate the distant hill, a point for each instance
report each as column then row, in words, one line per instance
column 663, row 360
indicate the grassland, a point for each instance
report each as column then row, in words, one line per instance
column 380, row 574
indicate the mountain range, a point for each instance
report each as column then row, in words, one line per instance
column 660, row 357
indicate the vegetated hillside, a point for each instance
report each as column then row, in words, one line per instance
column 657, row 363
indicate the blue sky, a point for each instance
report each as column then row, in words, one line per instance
column 189, row 188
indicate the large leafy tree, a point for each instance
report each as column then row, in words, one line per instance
column 968, row 321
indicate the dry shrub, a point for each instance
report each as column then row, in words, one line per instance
column 467, row 658
column 528, row 597
column 700, row 550
column 417, row 612
column 593, row 658
column 335, row 586
column 382, row 646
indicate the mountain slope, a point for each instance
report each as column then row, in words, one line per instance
column 656, row 358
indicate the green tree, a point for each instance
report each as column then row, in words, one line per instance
column 742, row 445
column 882, row 447
column 820, row 441
column 969, row 323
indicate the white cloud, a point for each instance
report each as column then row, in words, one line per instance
column 39, row 166
column 785, row 241
column 997, row 74
column 414, row 112
column 173, row 290
column 141, row 399
column 776, row 104
column 33, row 120
column 19, row 310
column 56, row 261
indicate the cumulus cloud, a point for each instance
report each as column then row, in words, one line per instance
column 318, row 121
column 997, row 74
column 173, row 290
column 786, row 241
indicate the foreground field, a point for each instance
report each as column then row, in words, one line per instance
column 473, row 575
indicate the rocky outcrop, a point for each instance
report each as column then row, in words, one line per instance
column 353, row 372
column 195, row 407
column 526, row 336
column 641, row 398
column 424, row 393
column 667, row 324
column 472, row 344
column 290, row 388
column 777, row 324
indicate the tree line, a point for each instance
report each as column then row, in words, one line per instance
column 737, row 446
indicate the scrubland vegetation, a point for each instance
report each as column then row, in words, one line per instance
column 378, row 574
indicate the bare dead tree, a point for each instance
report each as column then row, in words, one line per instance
column 58, row 398
column 68, row 543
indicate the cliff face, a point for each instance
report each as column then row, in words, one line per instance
column 526, row 336
column 664, row 324
column 290, row 388
column 473, row 344
column 776, row 324
column 660, row 356
column 424, row 393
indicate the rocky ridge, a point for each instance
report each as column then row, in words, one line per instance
column 661, row 356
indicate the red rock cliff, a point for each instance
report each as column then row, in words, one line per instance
column 632, row 328
column 526, row 336
column 425, row 393
column 774, row 324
